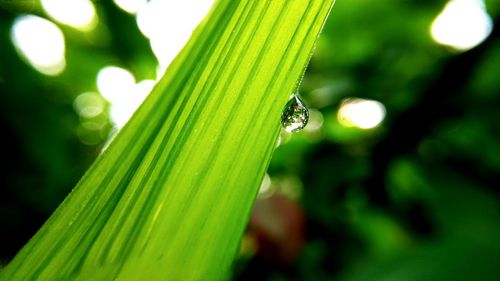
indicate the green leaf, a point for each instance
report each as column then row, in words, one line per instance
column 170, row 197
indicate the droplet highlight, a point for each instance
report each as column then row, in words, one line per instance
column 295, row 115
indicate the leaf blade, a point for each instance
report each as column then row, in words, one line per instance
column 170, row 197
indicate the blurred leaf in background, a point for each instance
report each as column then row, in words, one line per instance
column 397, row 173
column 395, row 177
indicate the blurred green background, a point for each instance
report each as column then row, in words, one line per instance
column 395, row 178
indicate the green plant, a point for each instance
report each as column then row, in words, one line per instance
column 170, row 197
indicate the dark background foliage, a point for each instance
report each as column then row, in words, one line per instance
column 415, row 198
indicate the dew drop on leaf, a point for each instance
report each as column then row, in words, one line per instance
column 295, row 115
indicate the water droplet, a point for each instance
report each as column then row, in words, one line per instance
column 295, row 115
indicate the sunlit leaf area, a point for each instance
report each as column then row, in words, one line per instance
column 395, row 177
